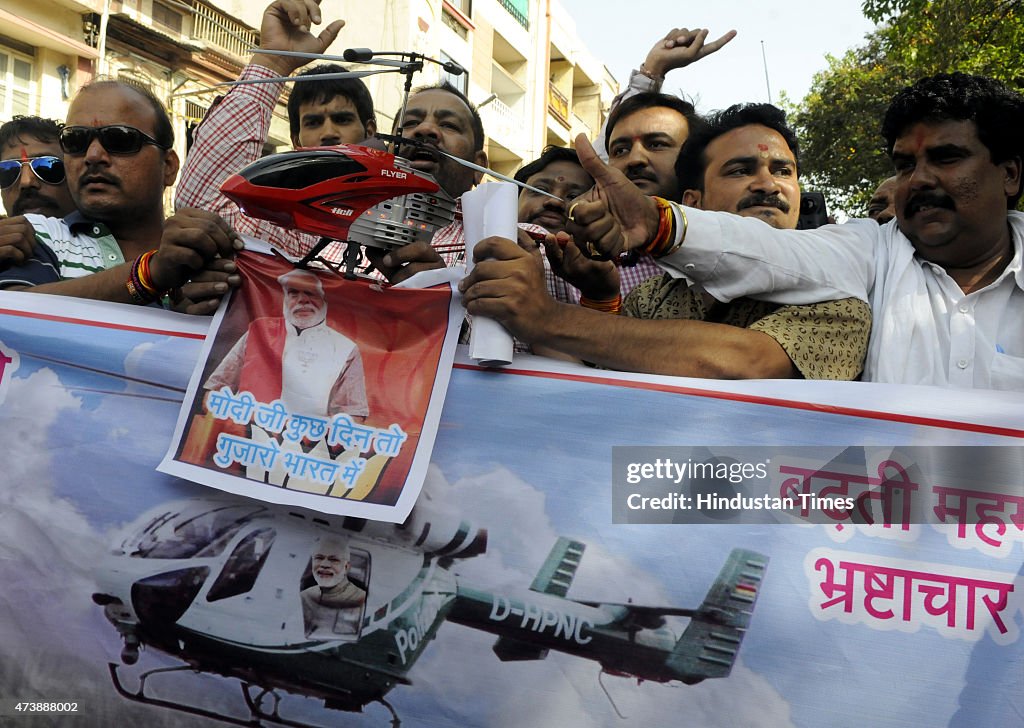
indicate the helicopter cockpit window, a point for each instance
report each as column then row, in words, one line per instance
column 243, row 566
column 295, row 172
column 334, row 588
column 190, row 535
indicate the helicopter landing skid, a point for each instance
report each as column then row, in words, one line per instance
column 253, row 695
column 351, row 259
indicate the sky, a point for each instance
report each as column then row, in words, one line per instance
column 797, row 36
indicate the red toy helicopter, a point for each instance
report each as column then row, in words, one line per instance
column 351, row 193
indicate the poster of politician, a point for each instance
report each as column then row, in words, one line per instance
column 318, row 391
column 510, row 598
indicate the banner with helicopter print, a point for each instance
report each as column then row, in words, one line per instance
column 510, row 596
column 318, row 391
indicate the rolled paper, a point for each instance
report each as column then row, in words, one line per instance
column 489, row 210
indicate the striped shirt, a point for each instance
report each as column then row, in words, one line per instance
column 71, row 247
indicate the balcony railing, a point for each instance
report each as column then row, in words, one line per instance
column 501, row 122
column 516, row 12
column 558, row 105
column 221, row 30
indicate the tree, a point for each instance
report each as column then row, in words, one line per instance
column 842, row 151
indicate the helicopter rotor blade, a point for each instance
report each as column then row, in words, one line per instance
column 311, row 77
column 297, row 54
column 355, row 58
column 499, row 175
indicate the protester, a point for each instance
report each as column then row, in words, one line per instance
column 320, row 113
column 945, row 283
column 117, row 146
column 882, row 207
column 556, row 171
column 744, row 162
column 32, row 181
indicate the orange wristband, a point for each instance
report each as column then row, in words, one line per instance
column 611, row 305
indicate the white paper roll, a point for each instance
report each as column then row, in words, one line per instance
column 490, row 209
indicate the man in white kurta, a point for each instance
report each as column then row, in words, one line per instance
column 299, row 359
column 944, row 280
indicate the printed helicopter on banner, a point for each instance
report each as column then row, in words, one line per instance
column 361, row 195
column 236, row 588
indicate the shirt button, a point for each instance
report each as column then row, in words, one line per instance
column 962, row 363
column 964, row 308
column 689, row 266
column 95, row 231
column 112, row 257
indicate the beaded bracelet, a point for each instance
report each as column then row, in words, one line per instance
column 610, row 305
column 140, row 280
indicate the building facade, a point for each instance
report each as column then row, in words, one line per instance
column 532, row 78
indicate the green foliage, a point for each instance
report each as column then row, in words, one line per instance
column 839, row 119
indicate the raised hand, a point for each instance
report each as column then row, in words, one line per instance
column 679, row 48
column 615, row 215
column 287, row 26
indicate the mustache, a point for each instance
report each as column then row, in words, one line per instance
column 31, row 198
column 640, row 174
column 410, row 148
column 927, row 199
column 760, row 199
column 94, row 173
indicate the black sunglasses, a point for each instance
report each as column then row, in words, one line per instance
column 115, row 138
column 48, row 169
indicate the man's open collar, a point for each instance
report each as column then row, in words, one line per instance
column 78, row 222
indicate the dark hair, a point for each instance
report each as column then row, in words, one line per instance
column 649, row 100
column 997, row 113
column 550, row 154
column 322, row 91
column 477, row 122
column 692, row 162
column 19, row 127
column 163, row 132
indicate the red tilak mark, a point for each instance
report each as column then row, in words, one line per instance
column 763, row 147
column 24, row 155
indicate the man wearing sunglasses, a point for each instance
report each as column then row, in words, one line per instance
column 32, row 168
column 117, row 246
column 32, row 180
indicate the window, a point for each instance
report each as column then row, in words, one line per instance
column 16, row 86
column 334, row 589
column 243, row 566
column 167, row 18
column 302, row 169
column 460, row 82
column 190, row 533
column 455, row 14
